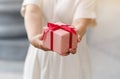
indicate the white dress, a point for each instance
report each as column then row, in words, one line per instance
column 40, row 64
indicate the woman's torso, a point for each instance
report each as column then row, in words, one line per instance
column 59, row 10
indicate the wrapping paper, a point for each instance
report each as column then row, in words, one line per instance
column 59, row 37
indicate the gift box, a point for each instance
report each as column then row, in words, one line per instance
column 59, row 37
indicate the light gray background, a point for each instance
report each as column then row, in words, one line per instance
column 104, row 41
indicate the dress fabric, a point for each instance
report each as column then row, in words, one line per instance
column 42, row 64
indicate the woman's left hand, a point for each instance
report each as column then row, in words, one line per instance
column 74, row 50
column 80, row 25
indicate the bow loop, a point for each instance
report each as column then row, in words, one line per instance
column 54, row 27
column 64, row 27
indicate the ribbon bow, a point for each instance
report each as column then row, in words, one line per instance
column 54, row 27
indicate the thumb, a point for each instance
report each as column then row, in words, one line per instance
column 79, row 38
column 41, row 36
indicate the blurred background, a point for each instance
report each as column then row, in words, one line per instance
column 103, row 40
column 13, row 41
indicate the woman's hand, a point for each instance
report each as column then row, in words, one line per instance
column 80, row 27
column 37, row 42
column 74, row 50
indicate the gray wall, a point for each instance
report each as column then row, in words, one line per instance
column 104, row 41
column 13, row 41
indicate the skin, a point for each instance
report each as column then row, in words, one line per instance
column 33, row 24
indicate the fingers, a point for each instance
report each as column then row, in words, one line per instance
column 79, row 39
column 36, row 42
column 72, row 50
column 79, row 36
column 65, row 54
column 41, row 46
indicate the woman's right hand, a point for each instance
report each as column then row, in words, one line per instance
column 38, row 43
